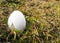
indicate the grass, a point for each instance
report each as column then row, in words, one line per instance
column 42, row 16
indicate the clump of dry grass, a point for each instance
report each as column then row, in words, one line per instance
column 42, row 16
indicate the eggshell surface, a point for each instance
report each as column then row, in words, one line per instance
column 17, row 19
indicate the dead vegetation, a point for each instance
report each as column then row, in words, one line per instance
column 43, row 18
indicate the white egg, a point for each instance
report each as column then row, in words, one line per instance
column 17, row 19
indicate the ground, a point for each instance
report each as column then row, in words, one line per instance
column 42, row 16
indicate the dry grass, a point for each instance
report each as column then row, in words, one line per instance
column 43, row 18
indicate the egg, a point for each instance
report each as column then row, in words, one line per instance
column 17, row 19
